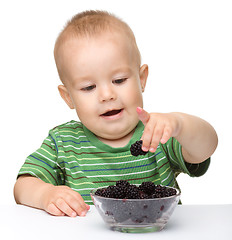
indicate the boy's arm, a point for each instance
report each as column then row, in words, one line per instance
column 196, row 136
column 56, row 200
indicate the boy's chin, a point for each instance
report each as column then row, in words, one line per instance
column 116, row 132
column 111, row 136
column 117, row 135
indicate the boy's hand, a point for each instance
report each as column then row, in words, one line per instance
column 196, row 136
column 159, row 127
column 62, row 200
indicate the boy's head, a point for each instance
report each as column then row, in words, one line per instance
column 98, row 62
column 90, row 24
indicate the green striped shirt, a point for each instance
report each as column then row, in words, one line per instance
column 71, row 155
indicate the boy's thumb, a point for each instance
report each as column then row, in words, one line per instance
column 143, row 115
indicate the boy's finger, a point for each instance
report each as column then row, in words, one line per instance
column 147, row 136
column 157, row 135
column 53, row 210
column 80, row 207
column 65, row 208
column 143, row 115
column 166, row 135
column 78, row 204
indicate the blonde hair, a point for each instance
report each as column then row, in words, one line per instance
column 92, row 23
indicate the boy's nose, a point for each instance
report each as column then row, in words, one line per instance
column 107, row 93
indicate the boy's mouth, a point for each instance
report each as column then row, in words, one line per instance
column 111, row 113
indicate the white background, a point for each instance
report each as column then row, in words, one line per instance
column 187, row 45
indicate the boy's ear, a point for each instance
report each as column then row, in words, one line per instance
column 143, row 73
column 65, row 95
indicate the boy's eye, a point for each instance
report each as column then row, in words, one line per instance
column 88, row 88
column 118, row 81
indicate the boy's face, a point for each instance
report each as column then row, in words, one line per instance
column 104, row 83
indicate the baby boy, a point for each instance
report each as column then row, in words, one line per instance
column 102, row 77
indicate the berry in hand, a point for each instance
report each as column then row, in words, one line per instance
column 136, row 148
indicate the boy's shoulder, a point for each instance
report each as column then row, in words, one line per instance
column 68, row 126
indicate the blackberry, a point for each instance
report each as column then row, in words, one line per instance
column 170, row 192
column 147, row 187
column 122, row 188
column 135, row 212
column 132, row 192
column 159, row 191
column 143, row 195
column 125, row 190
column 122, row 183
column 99, row 192
column 136, row 148
column 120, row 193
column 156, row 195
column 162, row 191
column 109, row 192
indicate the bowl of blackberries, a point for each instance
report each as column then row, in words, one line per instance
column 135, row 208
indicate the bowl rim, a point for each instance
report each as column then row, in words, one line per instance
column 92, row 194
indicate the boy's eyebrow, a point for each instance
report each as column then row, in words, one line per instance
column 79, row 79
column 83, row 78
column 113, row 72
column 122, row 69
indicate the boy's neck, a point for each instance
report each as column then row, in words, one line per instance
column 116, row 143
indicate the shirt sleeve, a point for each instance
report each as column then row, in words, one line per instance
column 173, row 150
column 43, row 163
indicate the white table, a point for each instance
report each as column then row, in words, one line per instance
column 187, row 222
